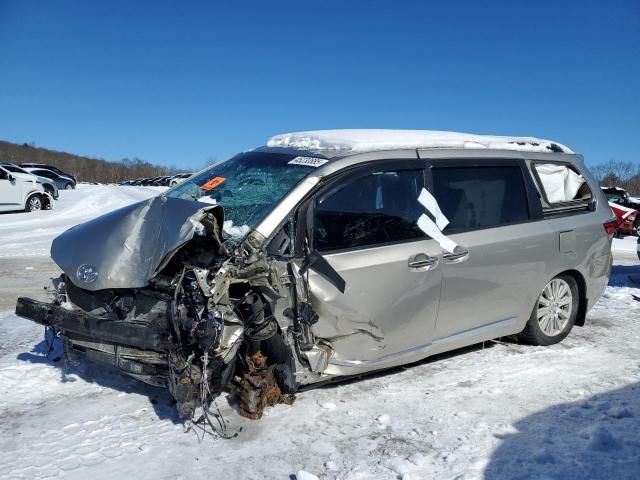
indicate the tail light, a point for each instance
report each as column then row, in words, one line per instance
column 611, row 226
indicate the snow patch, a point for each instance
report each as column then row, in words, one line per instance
column 362, row 140
column 235, row 232
column 304, row 475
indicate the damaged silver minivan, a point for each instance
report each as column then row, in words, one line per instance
column 330, row 254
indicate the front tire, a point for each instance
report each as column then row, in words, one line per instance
column 554, row 313
column 34, row 203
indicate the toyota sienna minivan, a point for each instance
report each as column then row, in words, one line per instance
column 329, row 254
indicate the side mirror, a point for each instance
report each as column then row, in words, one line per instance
column 11, row 177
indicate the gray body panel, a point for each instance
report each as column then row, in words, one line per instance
column 489, row 294
column 389, row 314
column 126, row 246
column 386, row 308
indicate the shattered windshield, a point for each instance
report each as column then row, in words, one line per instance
column 248, row 186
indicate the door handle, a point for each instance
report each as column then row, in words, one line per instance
column 457, row 256
column 422, row 262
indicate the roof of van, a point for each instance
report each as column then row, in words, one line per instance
column 331, row 142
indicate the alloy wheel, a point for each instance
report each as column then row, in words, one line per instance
column 35, row 203
column 554, row 307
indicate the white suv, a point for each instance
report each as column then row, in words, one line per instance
column 19, row 191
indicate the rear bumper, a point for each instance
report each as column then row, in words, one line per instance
column 143, row 335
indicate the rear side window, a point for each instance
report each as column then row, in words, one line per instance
column 44, row 173
column 481, row 197
column 379, row 208
column 562, row 188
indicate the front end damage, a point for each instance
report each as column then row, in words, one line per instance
column 213, row 315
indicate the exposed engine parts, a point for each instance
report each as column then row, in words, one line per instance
column 259, row 387
column 204, row 325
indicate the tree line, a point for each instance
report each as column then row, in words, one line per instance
column 615, row 173
column 85, row 169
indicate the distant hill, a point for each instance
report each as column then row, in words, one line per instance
column 83, row 168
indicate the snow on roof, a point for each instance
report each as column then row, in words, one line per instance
column 361, row 140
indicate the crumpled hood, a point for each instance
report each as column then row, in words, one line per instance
column 126, row 246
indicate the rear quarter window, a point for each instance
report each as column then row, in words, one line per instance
column 563, row 189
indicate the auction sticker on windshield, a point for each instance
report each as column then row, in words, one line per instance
column 308, row 161
column 213, row 183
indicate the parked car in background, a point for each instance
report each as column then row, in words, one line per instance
column 19, row 191
column 162, row 181
column 52, row 168
column 166, row 180
column 49, row 185
column 179, row 178
column 621, row 197
column 628, row 219
column 63, row 182
column 330, row 254
column 156, row 181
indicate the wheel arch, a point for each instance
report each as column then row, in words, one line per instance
column 582, row 290
column 32, row 194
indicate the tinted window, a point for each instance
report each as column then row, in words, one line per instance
column 480, row 197
column 11, row 168
column 44, row 173
column 378, row 208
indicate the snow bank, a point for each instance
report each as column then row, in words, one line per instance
column 30, row 234
column 625, row 244
column 355, row 140
column 498, row 410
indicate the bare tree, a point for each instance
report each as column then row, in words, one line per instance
column 83, row 168
column 615, row 173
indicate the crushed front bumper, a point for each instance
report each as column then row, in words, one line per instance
column 139, row 349
column 144, row 335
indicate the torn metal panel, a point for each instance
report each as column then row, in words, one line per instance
column 125, row 247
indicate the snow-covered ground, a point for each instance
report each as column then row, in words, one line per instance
column 498, row 411
column 30, row 234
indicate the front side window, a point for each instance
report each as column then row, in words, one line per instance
column 14, row 169
column 375, row 209
column 481, row 197
column 247, row 186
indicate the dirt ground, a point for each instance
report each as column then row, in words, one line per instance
column 25, row 277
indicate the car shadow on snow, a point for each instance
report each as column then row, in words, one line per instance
column 51, row 352
column 598, row 437
column 625, row 276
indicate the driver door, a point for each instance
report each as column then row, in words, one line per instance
column 365, row 227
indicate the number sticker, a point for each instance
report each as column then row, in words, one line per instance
column 308, row 161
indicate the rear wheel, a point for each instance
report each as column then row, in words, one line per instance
column 34, row 203
column 554, row 313
column 68, row 186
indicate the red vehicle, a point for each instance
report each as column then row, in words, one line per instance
column 628, row 219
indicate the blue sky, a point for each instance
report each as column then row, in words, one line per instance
column 180, row 82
